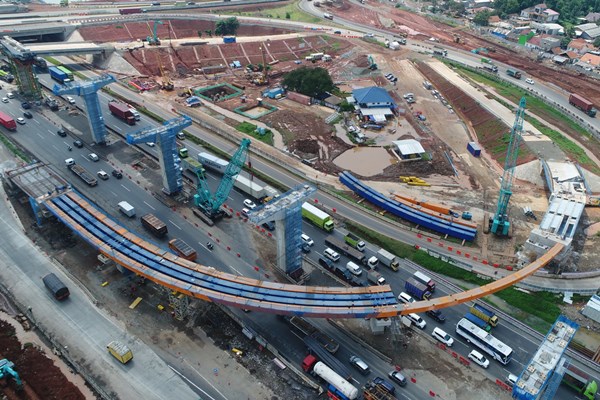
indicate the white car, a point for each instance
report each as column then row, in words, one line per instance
column 150, row 144
column 21, row 121
column 307, row 240
column 479, row 359
column 418, row 321
column 94, row 157
column 10, row 95
column 250, row 204
column 530, row 81
column 70, row 100
column 4, row 100
column 245, row 212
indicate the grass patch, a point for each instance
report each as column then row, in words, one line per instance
column 250, row 129
column 289, row 11
column 13, row 148
column 542, row 307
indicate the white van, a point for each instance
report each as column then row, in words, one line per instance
column 332, row 255
column 442, row 337
column 353, row 268
column 417, row 320
column 479, row 359
column 405, row 298
column 127, row 209
column 307, row 240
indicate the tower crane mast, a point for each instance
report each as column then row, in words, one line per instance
column 500, row 225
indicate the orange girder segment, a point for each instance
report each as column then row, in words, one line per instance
column 463, row 297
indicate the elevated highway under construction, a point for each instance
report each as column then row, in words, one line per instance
column 206, row 283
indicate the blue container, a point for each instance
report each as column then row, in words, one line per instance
column 474, row 149
column 228, row 39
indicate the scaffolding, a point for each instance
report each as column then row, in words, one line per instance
column 21, row 61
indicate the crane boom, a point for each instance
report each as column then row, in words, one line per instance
column 500, row 224
column 204, row 199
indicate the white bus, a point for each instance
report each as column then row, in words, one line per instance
column 485, row 341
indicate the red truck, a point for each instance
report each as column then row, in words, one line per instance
column 8, row 122
column 583, row 104
column 122, row 111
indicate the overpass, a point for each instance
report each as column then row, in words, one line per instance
column 208, row 284
column 68, row 48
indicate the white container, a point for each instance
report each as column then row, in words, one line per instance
column 127, row 209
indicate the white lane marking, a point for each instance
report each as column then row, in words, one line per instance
column 149, row 206
column 126, row 188
column 238, row 272
column 194, row 385
column 174, row 224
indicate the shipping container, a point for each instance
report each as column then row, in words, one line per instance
column 154, row 225
column 474, row 149
column 182, row 249
column 56, row 286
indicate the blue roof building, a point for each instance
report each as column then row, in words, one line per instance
column 374, row 103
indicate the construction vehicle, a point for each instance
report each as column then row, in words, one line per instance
column 6, row 369
column 83, row 174
column 192, row 165
column 372, row 63
column 154, row 225
column 355, row 241
column 583, row 104
column 52, row 103
column 317, row 217
column 480, row 50
column 499, row 223
column 488, row 316
column 309, row 329
column 165, row 83
column 514, row 73
column 154, row 40
column 120, row 351
column 211, row 205
column 182, row 249
column 580, row 381
column 373, row 391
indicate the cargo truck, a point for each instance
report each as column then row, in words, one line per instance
column 211, row 162
column 120, row 351
column 121, row 111
column 154, row 225
column 485, row 314
column 8, row 122
column 376, row 278
column 581, row 382
column 438, row 51
column 388, row 259
column 583, row 104
column 478, row 322
column 58, row 75
column 125, row 11
column 182, row 249
column 56, row 286
column 354, row 241
column 417, row 289
column 83, row 174
column 249, row 187
column 514, row 73
column 317, row 217
column 424, row 279
column 192, row 165
column 328, row 16
column 490, row 68
column 345, row 249
column 309, row 329
column 52, row 103
column 335, row 381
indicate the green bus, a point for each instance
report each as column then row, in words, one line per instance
column 66, row 71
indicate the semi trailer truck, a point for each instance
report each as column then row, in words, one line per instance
column 583, row 104
column 485, row 314
column 317, row 217
column 121, row 111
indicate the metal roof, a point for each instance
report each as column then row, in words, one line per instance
column 372, row 94
column 376, row 111
column 562, row 217
column 409, row 146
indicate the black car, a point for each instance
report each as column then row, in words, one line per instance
column 27, row 114
column 61, row 133
column 437, row 315
column 269, row 225
column 78, row 144
column 26, row 105
column 305, row 248
column 117, row 174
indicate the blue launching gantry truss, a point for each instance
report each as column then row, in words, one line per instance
column 286, row 211
column 164, row 136
column 89, row 91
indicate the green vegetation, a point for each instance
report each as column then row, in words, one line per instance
column 541, row 305
column 13, row 149
column 309, row 81
column 251, row 130
column 227, row 26
column 289, row 11
column 569, row 10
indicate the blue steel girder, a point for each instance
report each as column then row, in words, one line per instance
column 89, row 91
column 164, row 136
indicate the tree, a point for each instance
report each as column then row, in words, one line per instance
column 481, row 18
column 597, row 42
column 309, row 81
column 227, row 26
column 199, row 34
column 208, row 32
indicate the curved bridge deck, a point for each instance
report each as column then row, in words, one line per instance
column 206, row 283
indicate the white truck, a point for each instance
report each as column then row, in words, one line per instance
column 376, row 278
column 328, row 16
column 249, row 187
column 388, row 259
column 212, row 162
column 127, row 209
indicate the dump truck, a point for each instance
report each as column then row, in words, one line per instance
column 478, row 322
column 514, row 73
column 83, row 174
column 121, row 111
column 120, row 351
column 581, row 382
column 416, row 289
column 154, row 225
column 317, row 217
column 345, row 249
column 583, row 104
column 58, row 75
column 58, row 289
column 8, row 122
column 388, row 259
column 336, row 383
column 354, row 241
column 182, row 249
column 52, row 103
column 192, row 165
column 485, row 314
column 309, row 329
column 249, row 187
column 375, row 278
column 490, row 68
